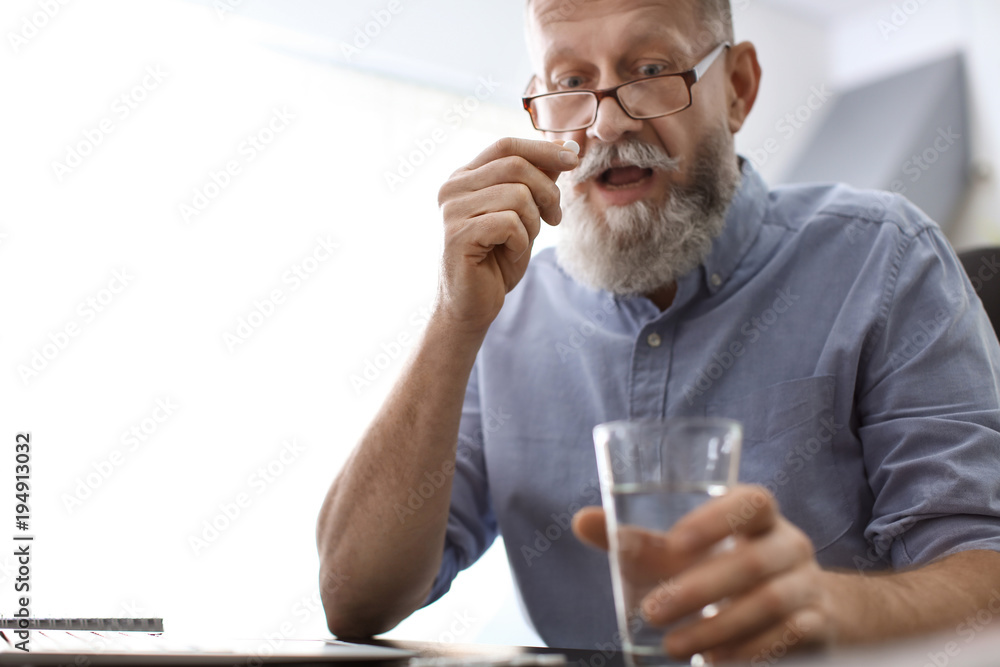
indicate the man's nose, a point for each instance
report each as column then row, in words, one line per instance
column 612, row 122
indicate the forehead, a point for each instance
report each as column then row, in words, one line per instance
column 579, row 26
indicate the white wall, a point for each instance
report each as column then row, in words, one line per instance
column 980, row 223
column 793, row 54
column 114, row 517
column 803, row 44
column 884, row 38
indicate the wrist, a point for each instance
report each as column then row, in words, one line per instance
column 458, row 340
column 865, row 608
column 838, row 601
column 456, row 328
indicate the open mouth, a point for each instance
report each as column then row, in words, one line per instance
column 620, row 178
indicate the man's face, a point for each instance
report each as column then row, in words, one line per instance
column 594, row 44
column 649, row 196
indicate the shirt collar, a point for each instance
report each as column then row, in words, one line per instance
column 743, row 222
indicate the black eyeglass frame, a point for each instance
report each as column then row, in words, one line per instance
column 690, row 77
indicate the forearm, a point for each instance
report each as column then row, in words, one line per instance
column 385, row 562
column 932, row 598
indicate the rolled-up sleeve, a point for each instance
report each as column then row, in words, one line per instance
column 472, row 526
column 929, row 411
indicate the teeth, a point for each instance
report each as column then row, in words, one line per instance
column 624, row 186
column 605, row 179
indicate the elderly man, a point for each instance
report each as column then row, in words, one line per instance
column 835, row 324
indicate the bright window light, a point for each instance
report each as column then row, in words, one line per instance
column 211, row 251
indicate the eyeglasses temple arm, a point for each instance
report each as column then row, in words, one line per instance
column 702, row 67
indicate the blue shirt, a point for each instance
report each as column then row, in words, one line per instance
column 837, row 325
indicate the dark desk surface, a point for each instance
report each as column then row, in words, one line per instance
column 951, row 648
column 475, row 652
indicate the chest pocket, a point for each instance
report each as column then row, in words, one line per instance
column 789, row 437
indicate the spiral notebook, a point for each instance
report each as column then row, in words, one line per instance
column 141, row 641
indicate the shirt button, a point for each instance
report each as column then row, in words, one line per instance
column 716, row 280
column 654, row 340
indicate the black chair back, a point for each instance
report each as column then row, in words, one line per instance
column 983, row 267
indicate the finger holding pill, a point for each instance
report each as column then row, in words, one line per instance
column 493, row 209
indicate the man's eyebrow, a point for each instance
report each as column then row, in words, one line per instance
column 550, row 58
column 675, row 58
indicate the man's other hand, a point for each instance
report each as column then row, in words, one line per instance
column 772, row 597
column 493, row 208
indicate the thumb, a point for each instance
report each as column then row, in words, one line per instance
column 590, row 527
column 571, row 145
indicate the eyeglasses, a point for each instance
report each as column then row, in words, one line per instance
column 642, row 99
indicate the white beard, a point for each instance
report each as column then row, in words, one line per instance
column 639, row 248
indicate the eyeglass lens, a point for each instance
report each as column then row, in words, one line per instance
column 642, row 99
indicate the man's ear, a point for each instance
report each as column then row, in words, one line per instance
column 743, row 83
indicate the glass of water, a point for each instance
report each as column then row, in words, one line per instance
column 653, row 473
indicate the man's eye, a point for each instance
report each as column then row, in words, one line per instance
column 571, row 82
column 652, row 70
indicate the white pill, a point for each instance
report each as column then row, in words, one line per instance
column 572, row 146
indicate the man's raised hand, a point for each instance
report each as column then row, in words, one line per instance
column 493, row 208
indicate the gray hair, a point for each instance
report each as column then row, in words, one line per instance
column 716, row 18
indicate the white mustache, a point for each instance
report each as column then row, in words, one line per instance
column 601, row 157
